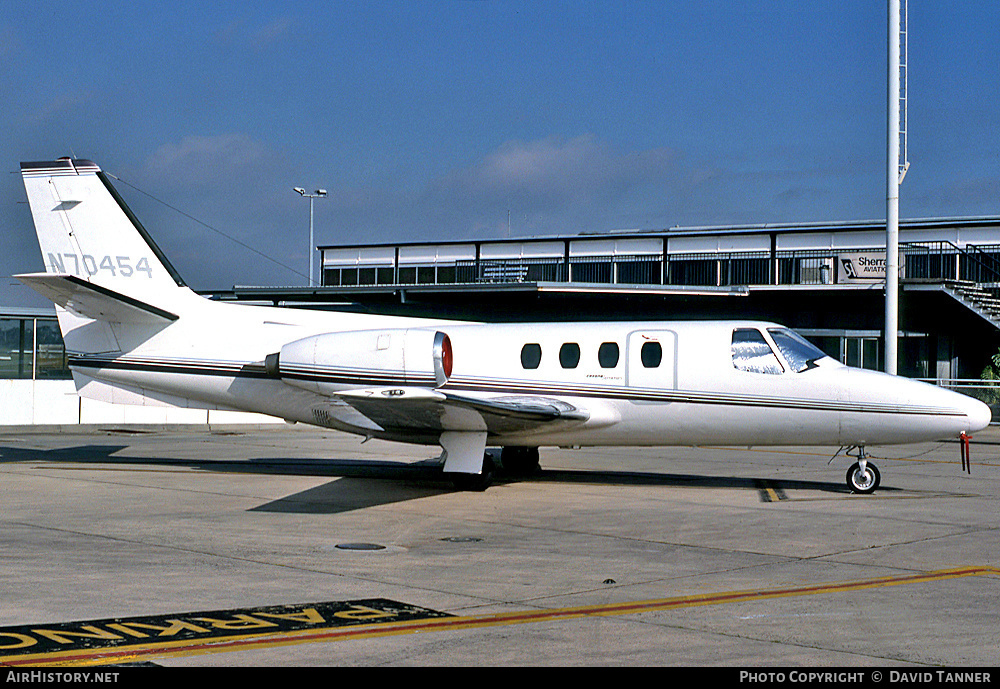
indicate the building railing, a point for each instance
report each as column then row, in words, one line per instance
column 500, row 270
column 937, row 260
column 943, row 260
column 987, row 391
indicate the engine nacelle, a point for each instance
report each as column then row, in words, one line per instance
column 354, row 359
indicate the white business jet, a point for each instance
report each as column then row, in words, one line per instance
column 135, row 334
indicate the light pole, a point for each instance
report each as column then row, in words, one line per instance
column 318, row 194
column 896, row 167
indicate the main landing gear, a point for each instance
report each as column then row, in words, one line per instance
column 519, row 461
column 863, row 476
column 513, row 461
column 475, row 482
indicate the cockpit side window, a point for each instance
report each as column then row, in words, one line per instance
column 752, row 353
column 799, row 353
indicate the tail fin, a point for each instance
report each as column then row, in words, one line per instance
column 85, row 229
column 112, row 283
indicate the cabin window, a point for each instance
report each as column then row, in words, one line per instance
column 531, row 355
column 799, row 353
column 607, row 355
column 569, row 355
column 752, row 353
column 651, row 354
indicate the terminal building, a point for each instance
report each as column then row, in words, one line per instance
column 825, row 280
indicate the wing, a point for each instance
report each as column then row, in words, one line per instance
column 431, row 412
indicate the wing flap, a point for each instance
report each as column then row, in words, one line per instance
column 424, row 410
column 90, row 300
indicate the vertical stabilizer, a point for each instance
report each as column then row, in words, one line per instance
column 112, row 285
column 86, row 230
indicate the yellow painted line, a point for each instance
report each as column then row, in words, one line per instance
column 327, row 634
column 114, row 469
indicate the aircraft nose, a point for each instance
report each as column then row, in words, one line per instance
column 979, row 414
column 931, row 412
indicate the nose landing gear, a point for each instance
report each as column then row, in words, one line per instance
column 863, row 476
column 863, row 479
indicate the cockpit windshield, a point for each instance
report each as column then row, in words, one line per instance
column 799, row 353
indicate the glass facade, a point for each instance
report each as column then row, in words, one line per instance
column 32, row 348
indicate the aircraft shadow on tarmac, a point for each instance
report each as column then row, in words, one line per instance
column 362, row 486
column 368, row 483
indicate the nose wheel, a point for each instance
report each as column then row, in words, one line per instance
column 863, row 477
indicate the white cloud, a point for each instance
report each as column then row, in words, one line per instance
column 202, row 160
column 232, row 149
column 274, row 31
column 550, row 173
column 243, row 32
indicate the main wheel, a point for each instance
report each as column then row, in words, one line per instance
column 475, row 482
column 863, row 481
column 519, row 461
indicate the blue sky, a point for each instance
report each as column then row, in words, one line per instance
column 433, row 120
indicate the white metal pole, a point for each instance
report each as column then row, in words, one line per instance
column 892, row 195
column 311, row 282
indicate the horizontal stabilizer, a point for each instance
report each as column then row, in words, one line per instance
column 90, row 300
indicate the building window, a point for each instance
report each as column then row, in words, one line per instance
column 385, row 276
column 348, row 276
column 17, row 348
column 569, row 355
column 50, row 351
column 531, row 355
column 862, row 352
column 607, row 355
column 32, row 348
column 446, row 275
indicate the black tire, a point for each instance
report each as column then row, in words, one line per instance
column 519, row 461
column 475, row 482
column 864, row 483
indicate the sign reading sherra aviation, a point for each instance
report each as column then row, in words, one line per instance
column 862, row 266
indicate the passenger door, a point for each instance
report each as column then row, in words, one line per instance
column 652, row 359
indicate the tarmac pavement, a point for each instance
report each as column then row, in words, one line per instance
column 291, row 546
